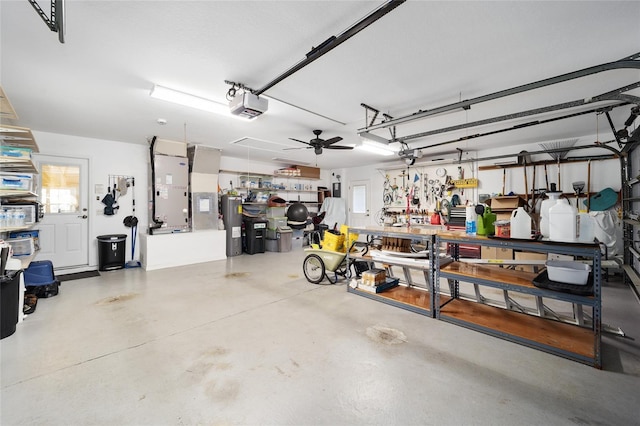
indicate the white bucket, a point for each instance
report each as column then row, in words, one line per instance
column 520, row 224
column 563, row 222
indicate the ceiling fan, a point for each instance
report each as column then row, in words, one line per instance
column 319, row 144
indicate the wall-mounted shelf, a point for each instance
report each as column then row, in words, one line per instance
column 17, row 165
column 6, row 109
column 19, row 137
column 267, row 175
column 275, row 190
column 16, row 193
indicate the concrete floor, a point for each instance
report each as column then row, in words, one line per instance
column 249, row 341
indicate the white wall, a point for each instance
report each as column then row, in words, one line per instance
column 132, row 159
column 105, row 158
column 118, row 158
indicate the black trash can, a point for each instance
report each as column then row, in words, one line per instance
column 255, row 234
column 9, row 303
column 111, row 251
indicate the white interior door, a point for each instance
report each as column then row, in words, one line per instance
column 64, row 231
column 359, row 203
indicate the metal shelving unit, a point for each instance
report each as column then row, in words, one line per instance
column 579, row 341
column 630, row 228
column 19, row 137
column 407, row 295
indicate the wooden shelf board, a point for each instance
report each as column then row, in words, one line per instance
column 565, row 337
column 6, row 109
column 18, row 136
column 17, row 165
column 465, row 271
column 409, row 296
column 412, row 298
column 16, row 193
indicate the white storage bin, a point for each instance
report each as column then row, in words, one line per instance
column 568, row 272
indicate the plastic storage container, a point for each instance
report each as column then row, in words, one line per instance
column 275, row 212
column 111, row 250
column 586, row 228
column 40, row 279
column 568, row 272
column 503, row 228
column 22, row 246
column 333, row 241
column 271, row 244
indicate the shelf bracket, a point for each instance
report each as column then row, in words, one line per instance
column 56, row 22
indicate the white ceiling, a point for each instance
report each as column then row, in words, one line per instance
column 422, row 55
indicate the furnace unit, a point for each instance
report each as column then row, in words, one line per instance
column 169, row 206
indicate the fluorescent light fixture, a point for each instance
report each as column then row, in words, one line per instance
column 289, row 161
column 375, row 138
column 376, row 148
column 181, row 98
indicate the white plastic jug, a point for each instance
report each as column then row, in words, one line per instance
column 544, row 212
column 586, row 228
column 520, row 224
column 563, row 221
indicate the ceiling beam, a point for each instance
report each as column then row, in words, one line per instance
column 632, row 63
column 333, row 42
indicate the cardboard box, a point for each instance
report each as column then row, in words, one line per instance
column 554, row 256
column 525, row 255
column 503, row 206
column 507, row 202
column 374, row 277
column 496, row 253
column 308, row 172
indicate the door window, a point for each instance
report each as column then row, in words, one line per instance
column 60, row 188
column 359, row 199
